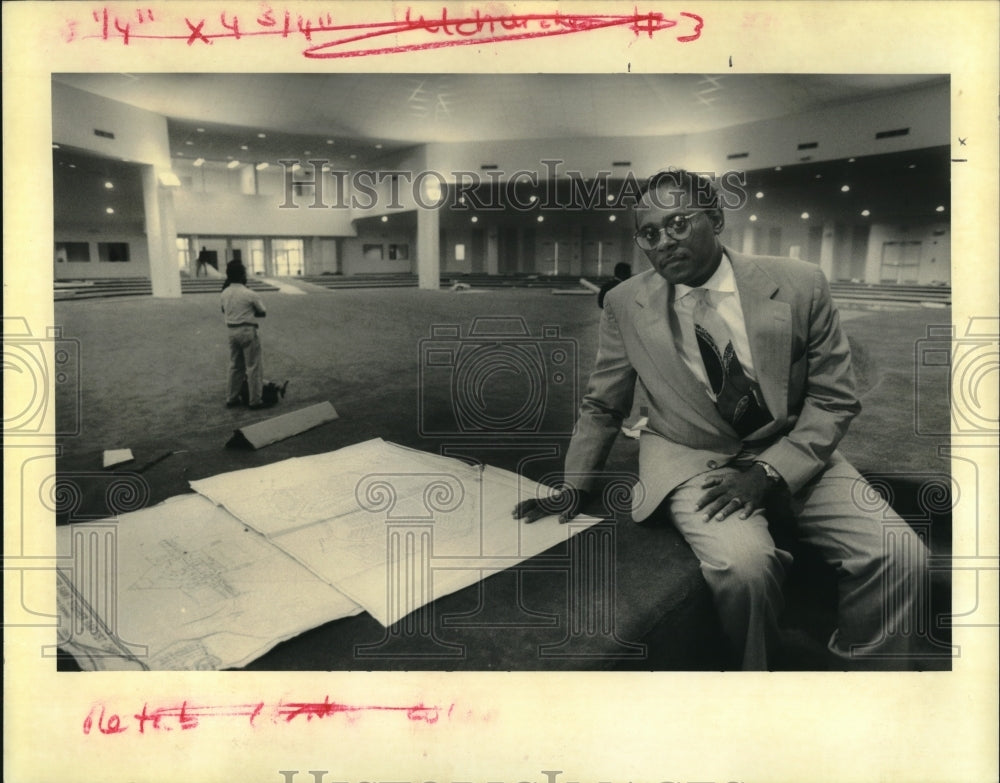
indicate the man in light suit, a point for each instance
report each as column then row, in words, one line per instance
column 747, row 379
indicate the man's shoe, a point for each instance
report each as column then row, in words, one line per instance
column 256, row 407
column 233, row 404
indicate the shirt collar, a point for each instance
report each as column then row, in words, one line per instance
column 722, row 280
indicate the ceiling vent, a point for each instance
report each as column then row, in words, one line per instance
column 892, row 133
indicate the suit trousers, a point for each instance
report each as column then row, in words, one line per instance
column 245, row 363
column 880, row 562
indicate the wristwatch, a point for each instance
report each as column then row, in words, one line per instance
column 773, row 477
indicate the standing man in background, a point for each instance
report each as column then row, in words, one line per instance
column 622, row 272
column 241, row 307
column 749, row 389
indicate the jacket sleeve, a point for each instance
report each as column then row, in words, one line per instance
column 829, row 401
column 607, row 401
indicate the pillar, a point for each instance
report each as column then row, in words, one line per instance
column 826, row 249
column 161, row 235
column 493, row 250
column 429, row 248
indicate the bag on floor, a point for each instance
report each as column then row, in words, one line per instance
column 270, row 395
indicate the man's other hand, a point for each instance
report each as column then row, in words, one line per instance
column 729, row 493
column 567, row 503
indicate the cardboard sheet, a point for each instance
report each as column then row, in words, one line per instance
column 182, row 586
column 264, row 433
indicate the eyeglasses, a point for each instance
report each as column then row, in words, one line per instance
column 677, row 227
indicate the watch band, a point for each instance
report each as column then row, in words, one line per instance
column 772, row 475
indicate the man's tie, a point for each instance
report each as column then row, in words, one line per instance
column 737, row 398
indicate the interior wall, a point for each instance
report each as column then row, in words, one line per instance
column 934, row 250
column 139, row 135
column 136, row 266
column 839, row 131
column 355, row 263
column 237, row 214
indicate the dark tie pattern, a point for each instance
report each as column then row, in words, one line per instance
column 737, row 398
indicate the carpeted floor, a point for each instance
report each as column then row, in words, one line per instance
column 152, row 378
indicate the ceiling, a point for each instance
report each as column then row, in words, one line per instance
column 268, row 116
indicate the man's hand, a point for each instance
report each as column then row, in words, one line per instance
column 567, row 503
column 731, row 492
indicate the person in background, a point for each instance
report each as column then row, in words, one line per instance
column 622, row 272
column 747, row 379
column 202, row 262
column 241, row 307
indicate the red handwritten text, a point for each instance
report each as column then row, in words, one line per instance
column 188, row 715
column 414, row 32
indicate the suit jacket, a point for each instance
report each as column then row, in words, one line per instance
column 800, row 356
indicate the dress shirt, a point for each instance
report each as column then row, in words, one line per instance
column 724, row 296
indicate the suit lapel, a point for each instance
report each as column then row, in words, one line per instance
column 769, row 331
column 656, row 335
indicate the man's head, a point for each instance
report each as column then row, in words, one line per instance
column 678, row 220
column 236, row 272
column 623, row 271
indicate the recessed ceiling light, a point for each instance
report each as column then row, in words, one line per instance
column 541, row 218
column 850, row 160
column 777, row 168
column 845, row 188
column 201, row 130
column 753, row 218
column 232, row 164
column 912, row 166
column 189, row 143
column 612, row 218
column 378, row 146
column 611, row 197
column 939, row 208
column 55, row 146
column 307, row 152
column 804, row 216
column 385, row 218
column 325, row 167
column 261, row 135
column 296, row 167
column 865, row 213
column 199, row 162
column 244, row 147
column 110, row 210
column 109, row 185
column 72, row 165
column 353, row 156
column 819, row 176
column 329, row 141
column 760, row 194
column 473, row 219
column 262, row 165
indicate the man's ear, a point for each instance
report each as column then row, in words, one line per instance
column 718, row 220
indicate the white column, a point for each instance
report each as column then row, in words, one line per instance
column 428, row 248
column 161, row 236
column 493, row 251
column 826, row 249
